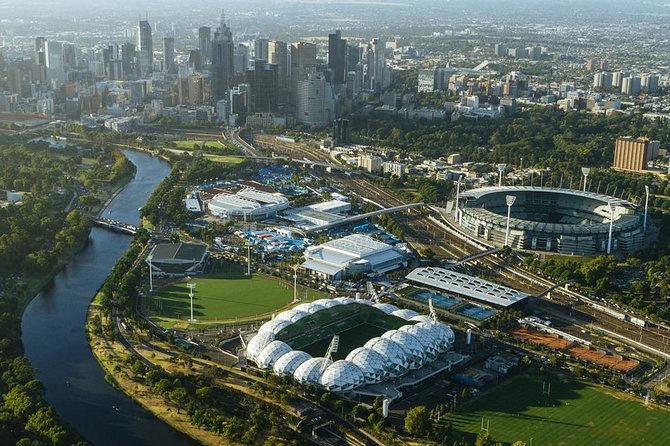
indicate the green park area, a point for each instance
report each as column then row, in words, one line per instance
column 191, row 144
column 223, row 299
column 574, row 413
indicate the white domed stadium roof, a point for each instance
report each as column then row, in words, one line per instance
column 291, row 315
column 326, row 303
column 342, row 376
column 364, row 301
column 386, row 308
column 309, row 372
column 397, row 361
column 309, row 307
column 287, row 364
column 422, row 318
column 344, row 300
column 405, row 314
column 442, row 332
column 274, row 326
column 271, row 353
column 258, row 343
column 414, row 349
column 370, row 362
column 425, row 335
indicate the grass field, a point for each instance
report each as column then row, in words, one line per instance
column 188, row 144
column 575, row 413
column 349, row 340
column 224, row 298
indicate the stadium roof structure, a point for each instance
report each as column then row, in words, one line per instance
column 247, row 202
column 353, row 253
column 178, row 252
column 177, row 259
column 468, row 286
column 391, row 355
column 481, row 192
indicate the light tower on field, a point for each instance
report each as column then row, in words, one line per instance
column 501, row 170
column 646, row 207
column 191, row 286
column 295, row 283
column 585, row 172
column 609, row 239
column 509, row 199
column 458, row 196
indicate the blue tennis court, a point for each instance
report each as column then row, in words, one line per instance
column 476, row 312
column 439, row 300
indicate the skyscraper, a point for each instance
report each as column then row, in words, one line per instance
column 315, row 104
column 337, row 48
column 222, row 59
column 205, row 43
column 278, row 55
column 376, row 65
column 168, row 55
column 129, row 58
column 261, row 49
column 263, row 81
column 303, row 62
column 54, row 61
column 145, row 47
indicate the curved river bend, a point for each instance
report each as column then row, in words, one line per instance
column 55, row 342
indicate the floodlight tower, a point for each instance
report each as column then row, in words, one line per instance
column 295, row 283
column 191, row 286
column 609, row 239
column 248, row 259
column 646, row 207
column 151, row 275
column 585, row 172
column 509, row 199
column 458, row 196
column 501, row 170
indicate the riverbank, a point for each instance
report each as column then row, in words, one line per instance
column 111, row 356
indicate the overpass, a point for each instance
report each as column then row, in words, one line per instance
column 472, row 257
column 367, row 215
column 114, row 225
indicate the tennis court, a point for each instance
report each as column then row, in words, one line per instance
column 476, row 312
column 439, row 300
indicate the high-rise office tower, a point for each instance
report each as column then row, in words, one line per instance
column 40, row 54
column 54, row 61
column 112, row 63
column 353, row 56
column 145, row 48
column 315, row 103
column 602, row 80
column 303, row 62
column 376, row 65
column 649, row 83
column 631, row 86
column 263, row 81
column 222, row 59
column 241, row 59
column 195, row 60
column 261, row 49
column 278, row 55
column 617, row 78
column 129, row 58
column 337, row 48
column 168, row 55
column 205, row 43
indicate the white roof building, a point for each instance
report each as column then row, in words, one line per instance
column 248, row 203
column 353, row 254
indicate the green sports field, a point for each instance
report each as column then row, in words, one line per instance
column 223, row 299
column 575, row 413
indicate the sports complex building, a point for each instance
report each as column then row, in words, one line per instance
column 353, row 254
column 177, row 259
column 551, row 219
column 248, row 203
column 375, row 343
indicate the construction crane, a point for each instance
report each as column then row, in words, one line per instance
column 332, row 348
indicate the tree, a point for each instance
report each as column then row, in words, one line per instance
column 180, row 397
column 519, row 443
column 417, row 421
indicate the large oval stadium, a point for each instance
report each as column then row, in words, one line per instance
column 377, row 342
column 551, row 219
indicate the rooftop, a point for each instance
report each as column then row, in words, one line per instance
column 178, row 251
column 468, row 286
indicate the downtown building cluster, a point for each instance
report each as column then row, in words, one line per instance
column 237, row 80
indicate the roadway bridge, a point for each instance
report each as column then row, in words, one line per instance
column 355, row 218
column 472, row 257
column 114, row 225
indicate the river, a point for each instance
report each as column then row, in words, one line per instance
column 55, row 341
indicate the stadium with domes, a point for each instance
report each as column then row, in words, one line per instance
column 353, row 345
